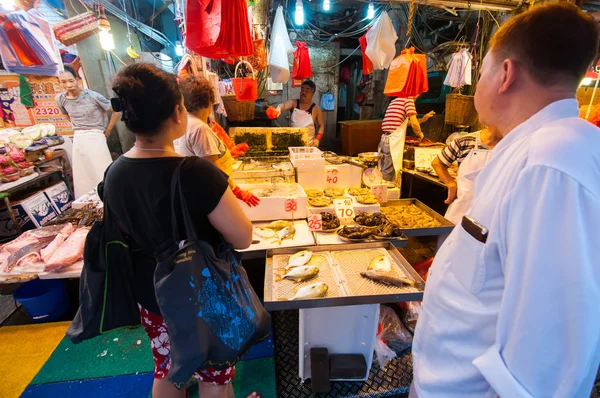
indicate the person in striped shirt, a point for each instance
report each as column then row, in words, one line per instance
column 400, row 109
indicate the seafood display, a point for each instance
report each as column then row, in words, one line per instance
column 334, row 192
column 381, row 264
column 314, row 193
column 387, row 278
column 370, row 220
column 354, row 232
column 276, row 190
column 368, row 199
column 301, row 274
column 388, row 231
column 321, row 201
column 84, row 217
column 279, row 225
column 314, row 290
column 359, row 191
column 409, row 217
column 276, row 231
column 330, row 221
column 299, row 259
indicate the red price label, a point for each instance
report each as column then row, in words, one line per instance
column 291, row 205
column 315, row 222
column 343, row 208
column 380, row 192
column 332, row 176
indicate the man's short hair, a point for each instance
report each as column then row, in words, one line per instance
column 310, row 84
column 553, row 42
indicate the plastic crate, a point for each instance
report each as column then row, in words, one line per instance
column 307, row 159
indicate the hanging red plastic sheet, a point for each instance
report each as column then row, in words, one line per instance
column 301, row 68
column 218, row 29
column 407, row 76
column 366, row 62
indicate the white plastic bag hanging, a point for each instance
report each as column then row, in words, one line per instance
column 281, row 48
column 381, row 42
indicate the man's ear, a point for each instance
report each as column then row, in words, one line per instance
column 508, row 75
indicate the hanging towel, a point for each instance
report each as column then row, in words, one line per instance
column 25, row 92
column 281, row 48
column 301, row 69
column 381, row 42
column 367, row 65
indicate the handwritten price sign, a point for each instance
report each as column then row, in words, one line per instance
column 315, row 222
column 291, row 205
column 333, row 176
column 343, row 208
column 380, row 192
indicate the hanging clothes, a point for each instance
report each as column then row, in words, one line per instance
column 381, row 42
column 281, row 48
column 328, row 102
column 367, row 65
column 301, row 69
column 459, row 72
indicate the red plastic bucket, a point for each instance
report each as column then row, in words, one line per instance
column 245, row 88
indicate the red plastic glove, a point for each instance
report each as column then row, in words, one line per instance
column 246, row 197
column 239, row 150
column 273, row 113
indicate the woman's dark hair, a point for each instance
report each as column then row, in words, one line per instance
column 146, row 96
column 70, row 70
column 197, row 93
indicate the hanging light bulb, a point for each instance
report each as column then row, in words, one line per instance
column 107, row 41
column 326, row 5
column 371, row 11
column 299, row 16
column 8, row 5
column 178, row 49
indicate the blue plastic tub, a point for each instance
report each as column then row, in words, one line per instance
column 44, row 300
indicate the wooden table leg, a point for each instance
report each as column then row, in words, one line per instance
column 12, row 214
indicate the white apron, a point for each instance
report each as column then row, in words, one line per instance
column 397, row 139
column 302, row 118
column 91, row 157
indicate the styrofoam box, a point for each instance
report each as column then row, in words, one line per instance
column 358, row 207
column 60, row 195
column 307, row 159
column 273, row 207
column 312, row 180
column 348, row 176
column 424, row 157
column 89, row 198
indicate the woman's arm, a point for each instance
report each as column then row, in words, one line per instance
column 229, row 219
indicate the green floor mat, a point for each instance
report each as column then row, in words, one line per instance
column 257, row 375
column 117, row 353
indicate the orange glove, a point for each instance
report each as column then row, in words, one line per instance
column 246, row 197
column 239, row 150
column 273, row 113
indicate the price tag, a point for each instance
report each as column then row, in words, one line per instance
column 315, row 222
column 291, row 205
column 333, row 176
column 380, row 192
column 343, row 208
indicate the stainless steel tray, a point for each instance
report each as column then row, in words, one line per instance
column 341, row 272
column 445, row 228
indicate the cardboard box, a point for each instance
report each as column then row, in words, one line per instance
column 360, row 136
column 60, row 196
column 7, row 227
column 39, row 208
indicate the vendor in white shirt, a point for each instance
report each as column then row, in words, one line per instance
column 305, row 113
column 511, row 301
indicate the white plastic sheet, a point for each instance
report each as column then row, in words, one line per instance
column 281, row 48
column 381, row 42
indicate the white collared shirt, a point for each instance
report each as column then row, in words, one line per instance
column 519, row 316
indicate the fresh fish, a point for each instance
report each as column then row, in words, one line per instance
column 380, row 263
column 286, row 233
column 27, row 250
column 279, row 225
column 301, row 274
column 387, row 278
column 299, row 259
column 315, row 290
column 265, row 233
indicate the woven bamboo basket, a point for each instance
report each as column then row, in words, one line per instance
column 237, row 111
column 460, row 110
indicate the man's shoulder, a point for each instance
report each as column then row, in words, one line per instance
column 571, row 146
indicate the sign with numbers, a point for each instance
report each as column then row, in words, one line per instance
column 333, row 176
column 343, row 208
column 380, row 192
column 291, row 205
column 315, row 222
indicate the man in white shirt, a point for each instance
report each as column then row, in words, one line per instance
column 512, row 302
